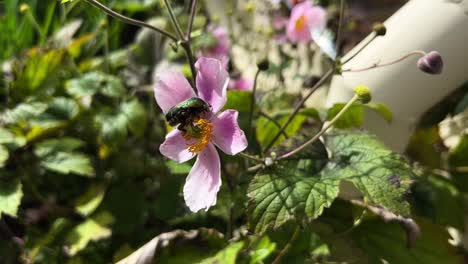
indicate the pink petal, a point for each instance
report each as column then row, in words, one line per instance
column 203, row 182
column 212, row 82
column 315, row 17
column 171, row 89
column 227, row 134
column 175, row 147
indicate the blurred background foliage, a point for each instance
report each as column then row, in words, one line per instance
column 82, row 180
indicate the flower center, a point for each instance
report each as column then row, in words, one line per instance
column 301, row 23
column 200, row 131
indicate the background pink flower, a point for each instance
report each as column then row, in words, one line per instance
column 305, row 18
column 221, row 50
column 241, row 84
column 217, row 129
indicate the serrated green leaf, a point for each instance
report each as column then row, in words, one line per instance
column 11, row 192
column 294, row 190
column 136, row 116
column 353, row 118
column 227, row 255
column 262, row 250
column 286, row 192
column 58, row 155
column 382, row 176
column 59, row 110
column 10, row 140
column 112, row 127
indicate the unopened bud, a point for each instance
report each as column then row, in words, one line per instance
column 263, row 65
column 249, row 7
column 24, row 8
column 364, row 93
column 431, row 63
column 380, row 29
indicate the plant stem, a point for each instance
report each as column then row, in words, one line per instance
column 340, row 27
column 324, row 78
column 130, row 20
column 374, row 36
column 323, row 130
column 188, row 53
column 252, row 103
column 193, row 10
column 286, row 248
column 271, row 119
column 174, row 21
column 376, row 65
column 247, row 156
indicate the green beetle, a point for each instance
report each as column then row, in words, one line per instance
column 185, row 112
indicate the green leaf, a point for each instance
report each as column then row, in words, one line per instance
column 95, row 82
column 58, row 111
column 262, row 250
column 24, row 112
column 388, row 241
column 136, row 116
column 112, row 127
column 11, row 192
column 227, row 255
column 267, row 130
column 58, row 155
column 178, row 168
column 90, row 200
column 294, row 190
column 93, row 229
column 239, row 100
column 381, row 109
column 354, row 117
column 3, row 155
column 288, row 191
column 10, row 140
column 382, row 176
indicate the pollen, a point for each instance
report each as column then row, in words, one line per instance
column 201, row 132
column 301, row 23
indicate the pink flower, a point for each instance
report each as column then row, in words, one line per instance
column 213, row 129
column 241, row 84
column 304, row 19
column 221, row 50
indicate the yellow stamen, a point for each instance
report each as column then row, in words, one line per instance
column 301, row 23
column 203, row 136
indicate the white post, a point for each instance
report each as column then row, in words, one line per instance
column 440, row 25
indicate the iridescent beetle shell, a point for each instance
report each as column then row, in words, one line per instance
column 186, row 111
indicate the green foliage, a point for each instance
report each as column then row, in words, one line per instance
column 11, row 192
column 354, row 117
column 291, row 190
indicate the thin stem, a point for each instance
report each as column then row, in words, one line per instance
column 193, row 11
column 36, row 25
column 374, row 36
column 416, row 52
column 286, row 248
column 340, row 26
column 174, row 21
column 324, row 78
column 271, row 119
column 252, row 103
column 247, row 156
column 188, row 53
column 130, row 20
column 324, row 129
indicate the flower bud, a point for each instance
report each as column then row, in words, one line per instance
column 249, row 7
column 263, row 65
column 431, row 63
column 364, row 94
column 380, row 29
column 24, row 8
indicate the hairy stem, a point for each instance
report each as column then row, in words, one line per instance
column 376, row 65
column 174, row 21
column 252, row 104
column 298, row 107
column 130, row 20
column 323, row 130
